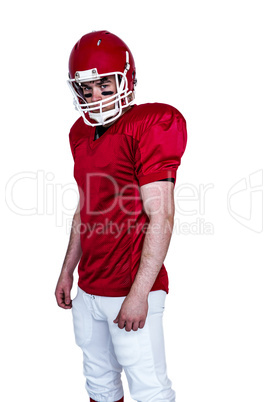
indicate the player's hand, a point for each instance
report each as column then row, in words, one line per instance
column 63, row 291
column 133, row 313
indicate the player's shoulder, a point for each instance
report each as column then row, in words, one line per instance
column 155, row 112
column 79, row 129
column 142, row 117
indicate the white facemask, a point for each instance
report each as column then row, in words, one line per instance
column 119, row 99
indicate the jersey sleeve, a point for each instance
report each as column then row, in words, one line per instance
column 159, row 150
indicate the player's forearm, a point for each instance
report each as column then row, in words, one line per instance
column 74, row 251
column 154, row 251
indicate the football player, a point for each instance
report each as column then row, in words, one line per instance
column 125, row 161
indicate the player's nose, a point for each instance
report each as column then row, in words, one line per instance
column 96, row 95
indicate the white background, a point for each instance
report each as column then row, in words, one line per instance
column 209, row 60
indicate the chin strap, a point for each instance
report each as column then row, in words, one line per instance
column 101, row 117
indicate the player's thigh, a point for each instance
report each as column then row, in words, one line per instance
column 134, row 347
column 142, row 354
column 82, row 319
column 93, row 337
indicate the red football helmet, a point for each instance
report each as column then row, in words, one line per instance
column 96, row 55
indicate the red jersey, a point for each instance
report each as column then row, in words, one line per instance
column 144, row 145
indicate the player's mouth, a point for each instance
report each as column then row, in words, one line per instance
column 104, row 109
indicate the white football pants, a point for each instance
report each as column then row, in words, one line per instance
column 107, row 349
